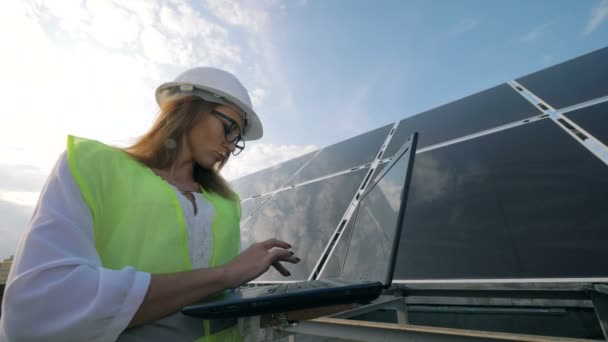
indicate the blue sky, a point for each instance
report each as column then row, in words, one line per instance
column 377, row 62
column 319, row 71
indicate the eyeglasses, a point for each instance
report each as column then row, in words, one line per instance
column 232, row 132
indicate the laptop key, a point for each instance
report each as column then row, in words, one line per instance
column 298, row 286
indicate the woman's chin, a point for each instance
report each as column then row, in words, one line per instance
column 208, row 163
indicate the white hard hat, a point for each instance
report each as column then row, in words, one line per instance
column 217, row 86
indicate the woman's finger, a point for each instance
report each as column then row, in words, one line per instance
column 271, row 243
column 277, row 265
column 280, row 253
column 291, row 259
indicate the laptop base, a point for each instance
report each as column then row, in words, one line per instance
column 253, row 301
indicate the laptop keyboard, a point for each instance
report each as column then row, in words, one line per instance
column 302, row 285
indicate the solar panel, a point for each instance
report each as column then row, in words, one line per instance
column 305, row 216
column 269, row 179
column 335, row 263
column 353, row 152
column 527, row 202
column 593, row 119
column 248, row 206
column 374, row 233
column 577, row 80
column 485, row 110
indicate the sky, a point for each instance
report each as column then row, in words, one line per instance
column 318, row 71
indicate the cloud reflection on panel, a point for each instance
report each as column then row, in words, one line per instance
column 305, row 217
column 249, row 206
column 371, row 238
column 453, row 213
column 269, row 179
column 370, row 243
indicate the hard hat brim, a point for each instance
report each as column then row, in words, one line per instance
column 253, row 130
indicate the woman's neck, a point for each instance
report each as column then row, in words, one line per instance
column 182, row 170
column 181, row 173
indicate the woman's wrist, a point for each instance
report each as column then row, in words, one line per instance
column 227, row 277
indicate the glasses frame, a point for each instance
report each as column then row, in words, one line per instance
column 238, row 141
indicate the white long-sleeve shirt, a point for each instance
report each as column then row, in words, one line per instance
column 57, row 288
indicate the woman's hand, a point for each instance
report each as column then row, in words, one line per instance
column 170, row 292
column 257, row 259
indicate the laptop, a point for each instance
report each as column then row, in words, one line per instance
column 368, row 264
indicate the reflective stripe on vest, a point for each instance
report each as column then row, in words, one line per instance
column 138, row 220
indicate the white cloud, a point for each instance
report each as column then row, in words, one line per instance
column 156, row 46
column 168, row 33
column 266, row 68
column 358, row 117
column 547, row 60
column 111, row 25
column 237, row 13
column 536, row 33
column 90, row 68
column 260, row 156
column 14, row 220
column 391, row 189
column 146, row 10
column 99, row 20
column 598, row 14
column 70, row 15
column 22, row 198
column 465, row 25
column 531, row 36
column 171, row 21
column 257, row 96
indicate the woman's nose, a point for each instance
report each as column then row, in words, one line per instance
column 231, row 147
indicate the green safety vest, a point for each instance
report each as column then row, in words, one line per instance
column 138, row 220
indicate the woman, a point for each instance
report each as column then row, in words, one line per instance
column 122, row 239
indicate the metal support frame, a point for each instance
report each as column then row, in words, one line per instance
column 340, row 326
column 402, row 312
column 600, row 304
column 382, row 332
column 379, row 303
column 579, row 134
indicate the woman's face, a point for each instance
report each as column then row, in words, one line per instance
column 206, row 140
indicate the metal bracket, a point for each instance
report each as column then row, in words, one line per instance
column 601, row 288
column 600, row 303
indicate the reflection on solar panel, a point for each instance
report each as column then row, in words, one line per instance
column 502, row 188
column 488, row 109
column 304, row 216
column 521, row 203
column 344, row 155
column 271, row 178
column 249, row 206
column 375, row 231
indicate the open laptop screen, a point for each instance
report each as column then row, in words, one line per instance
column 373, row 241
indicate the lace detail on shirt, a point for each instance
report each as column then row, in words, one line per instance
column 199, row 227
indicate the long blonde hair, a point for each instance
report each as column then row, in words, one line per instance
column 159, row 147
